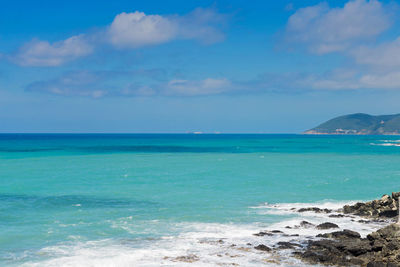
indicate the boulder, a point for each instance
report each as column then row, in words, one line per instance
column 315, row 209
column 306, row 224
column 327, row 225
column 385, row 207
column 262, row 247
column 347, row 248
column 341, row 234
column 287, row 245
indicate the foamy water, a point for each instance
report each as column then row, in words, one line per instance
column 210, row 244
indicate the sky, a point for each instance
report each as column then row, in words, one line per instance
column 228, row 66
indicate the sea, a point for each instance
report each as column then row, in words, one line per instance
column 180, row 199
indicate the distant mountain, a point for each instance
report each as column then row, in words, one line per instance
column 360, row 123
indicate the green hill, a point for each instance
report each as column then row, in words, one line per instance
column 360, row 123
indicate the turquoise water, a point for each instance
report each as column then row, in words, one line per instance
column 64, row 197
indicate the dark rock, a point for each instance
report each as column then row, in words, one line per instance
column 388, row 213
column 262, row 248
column 385, row 207
column 276, row 232
column 376, row 264
column 264, row 233
column 337, row 216
column 341, row 234
column 306, row 224
column 189, row 258
column 347, row 248
column 287, row 245
column 327, row 225
column 315, row 209
column 395, row 195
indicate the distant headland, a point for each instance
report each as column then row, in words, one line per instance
column 360, row 124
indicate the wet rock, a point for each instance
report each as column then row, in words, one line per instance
column 327, row 225
column 337, row 216
column 376, row 264
column 306, row 224
column 388, row 213
column 382, row 264
column 262, row 248
column 268, row 233
column 341, row 234
column 189, row 258
column 385, row 207
column 395, row 195
column 264, row 234
column 314, row 209
column 287, row 245
column 347, row 248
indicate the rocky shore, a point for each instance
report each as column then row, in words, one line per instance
column 345, row 247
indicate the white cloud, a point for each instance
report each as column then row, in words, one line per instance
column 386, row 55
column 43, row 53
column 350, row 30
column 352, row 81
column 202, row 24
column 324, row 29
column 207, row 86
column 101, row 84
column 79, row 83
column 136, row 29
column 389, row 80
column 128, row 30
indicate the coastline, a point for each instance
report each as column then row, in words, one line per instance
column 345, row 247
column 326, row 233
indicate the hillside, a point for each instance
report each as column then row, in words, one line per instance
column 360, row 123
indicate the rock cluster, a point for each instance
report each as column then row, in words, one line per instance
column 386, row 207
column 314, row 209
column 347, row 248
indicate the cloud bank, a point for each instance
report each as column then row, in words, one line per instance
column 132, row 30
column 324, row 30
column 127, row 31
column 352, row 31
column 100, row 84
column 43, row 53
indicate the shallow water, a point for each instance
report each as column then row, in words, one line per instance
column 143, row 200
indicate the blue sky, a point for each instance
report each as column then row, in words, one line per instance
column 179, row 66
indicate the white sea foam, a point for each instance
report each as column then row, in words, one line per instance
column 206, row 244
column 387, row 143
column 353, row 223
